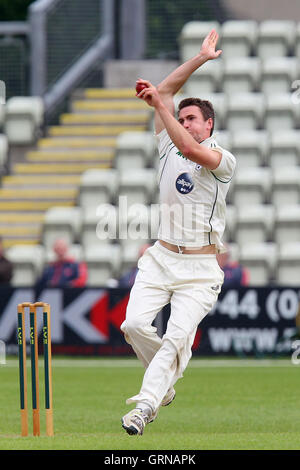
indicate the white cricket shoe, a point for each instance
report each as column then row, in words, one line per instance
column 135, row 421
column 167, row 400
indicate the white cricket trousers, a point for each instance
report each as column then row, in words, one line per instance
column 191, row 284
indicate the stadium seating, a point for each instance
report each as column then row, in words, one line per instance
column 260, row 259
column 297, row 41
column 207, row 79
column 287, row 223
column 61, row 222
column 137, row 185
column 98, row 187
column 254, row 224
column 275, row 38
column 250, row 147
column 134, row 150
column 285, row 186
column 288, row 268
column 238, row 38
column 99, row 225
column 24, row 117
column 245, row 111
column 28, row 262
column 278, row 73
column 241, row 74
column 251, row 186
column 284, row 148
column 4, row 163
column 103, row 263
column 105, row 147
column 192, row 35
column 280, row 112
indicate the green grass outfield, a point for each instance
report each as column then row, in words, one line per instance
column 220, row 404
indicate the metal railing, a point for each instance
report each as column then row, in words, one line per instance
column 67, row 39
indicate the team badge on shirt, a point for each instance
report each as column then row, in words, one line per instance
column 184, row 183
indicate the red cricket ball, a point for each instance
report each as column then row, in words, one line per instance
column 139, row 87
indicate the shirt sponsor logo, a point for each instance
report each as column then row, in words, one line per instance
column 184, row 183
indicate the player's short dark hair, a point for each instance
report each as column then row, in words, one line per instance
column 205, row 107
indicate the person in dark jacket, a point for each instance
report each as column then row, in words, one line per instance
column 235, row 275
column 6, row 267
column 64, row 271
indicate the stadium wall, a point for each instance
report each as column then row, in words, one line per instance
column 263, row 10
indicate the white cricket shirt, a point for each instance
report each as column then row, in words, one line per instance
column 192, row 198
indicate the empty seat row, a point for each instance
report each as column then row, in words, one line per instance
column 111, row 185
column 279, row 186
column 245, row 74
column 251, row 185
column 103, row 262
column 266, row 262
column 250, row 147
column 102, row 225
column 270, row 262
column 263, row 222
column 252, row 111
column 243, row 38
column 22, row 119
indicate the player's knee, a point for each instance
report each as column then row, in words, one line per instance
column 132, row 326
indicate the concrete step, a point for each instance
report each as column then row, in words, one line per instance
column 32, row 205
column 97, row 118
column 57, row 168
column 83, row 131
column 37, row 193
column 22, row 181
column 70, row 155
column 76, row 143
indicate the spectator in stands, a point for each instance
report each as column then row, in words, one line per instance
column 64, row 271
column 127, row 280
column 6, row 267
column 235, row 275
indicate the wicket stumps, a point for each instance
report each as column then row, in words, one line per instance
column 34, row 367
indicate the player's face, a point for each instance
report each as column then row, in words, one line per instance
column 191, row 118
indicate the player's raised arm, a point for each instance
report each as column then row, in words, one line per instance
column 176, row 79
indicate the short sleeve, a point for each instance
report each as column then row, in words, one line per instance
column 225, row 171
column 163, row 141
